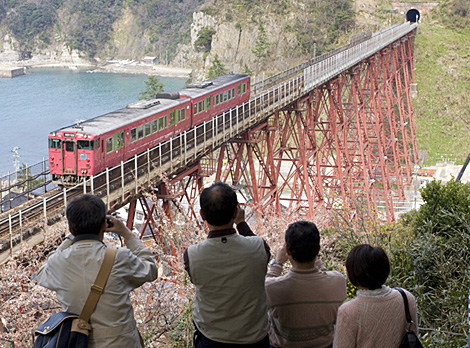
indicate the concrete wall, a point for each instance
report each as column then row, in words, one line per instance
column 11, row 72
column 422, row 7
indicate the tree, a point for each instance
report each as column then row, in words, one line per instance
column 217, row 68
column 261, row 49
column 203, row 42
column 154, row 86
column 440, row 252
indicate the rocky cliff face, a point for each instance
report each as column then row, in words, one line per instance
column 233, row 44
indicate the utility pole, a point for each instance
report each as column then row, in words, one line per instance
column 16, row 160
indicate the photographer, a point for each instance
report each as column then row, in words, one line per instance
column 228, row 270
column 71, row 270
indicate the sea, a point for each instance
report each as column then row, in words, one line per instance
column 46, row 99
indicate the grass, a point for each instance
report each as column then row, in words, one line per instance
column 442, row 108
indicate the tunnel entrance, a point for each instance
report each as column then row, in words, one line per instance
column 413, row 15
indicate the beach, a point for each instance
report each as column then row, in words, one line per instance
column 115, row 66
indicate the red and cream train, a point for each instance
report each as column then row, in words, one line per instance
column 89, row 147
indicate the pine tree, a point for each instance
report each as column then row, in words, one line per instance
column 154, row 86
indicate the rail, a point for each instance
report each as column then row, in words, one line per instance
column 116, row 185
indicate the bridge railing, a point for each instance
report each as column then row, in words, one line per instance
column 24, row 184
column 117, row 183
column 276, row 78
column 324, row 70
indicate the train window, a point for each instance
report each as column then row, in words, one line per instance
column 162, row 123
column 225, row 96
column 208, row 103
column 154, row 126
column 147, row 129
column 84, row 145
column 195, row 109
column 97, row 143
column 243, row 88
column 239, row 89
column 233, row 92
column 172, row 118
column 109, row 145
column 229, row 94
column 55, row 143
column 118, row 140
column 216, row 99
column 201, row 106
column 69, row 146
column 140, row 132
column 133, row 134
column 183, row 114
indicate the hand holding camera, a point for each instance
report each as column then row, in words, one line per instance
column 115, row 225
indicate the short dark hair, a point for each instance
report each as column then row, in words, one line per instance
column 367, row 266
column 218, row 203
column 303, row 241
column 86, row 214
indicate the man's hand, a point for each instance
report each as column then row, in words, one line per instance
column 115, row 225
column 240, row 214
column 281, row 255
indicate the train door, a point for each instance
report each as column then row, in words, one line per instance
column 69, row 160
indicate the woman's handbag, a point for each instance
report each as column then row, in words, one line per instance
column 410, row 340
column 68, row 330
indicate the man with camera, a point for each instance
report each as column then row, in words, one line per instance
column 71, row 270
column 304, row 302
column 228, row 270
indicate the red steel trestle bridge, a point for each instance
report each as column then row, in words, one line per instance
column 334, row 132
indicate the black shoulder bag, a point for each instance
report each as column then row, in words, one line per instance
column 68, row 330
column 410, row 340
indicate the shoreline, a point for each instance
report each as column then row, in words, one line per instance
column 120, row 67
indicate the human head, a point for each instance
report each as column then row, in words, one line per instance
column 303, row 241
column 218, row 204
column 368, row 267
column 86, row 214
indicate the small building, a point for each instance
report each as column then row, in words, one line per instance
column 151, row 60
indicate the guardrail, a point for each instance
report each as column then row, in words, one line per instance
column 324, row 70
column 24, row 184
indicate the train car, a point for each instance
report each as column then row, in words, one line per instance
column 89, row 147
column 217, row 95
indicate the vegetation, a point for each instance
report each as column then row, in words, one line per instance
column 203, row 42
column 29, row 22
column 441, row 108
column 217, row 68
column 261, row 49
column 154, row 86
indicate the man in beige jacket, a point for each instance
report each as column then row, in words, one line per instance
column 72, row 268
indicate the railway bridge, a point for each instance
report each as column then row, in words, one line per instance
column 335, row 132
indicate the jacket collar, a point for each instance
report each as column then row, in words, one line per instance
column 87, row 237
column 221, row 233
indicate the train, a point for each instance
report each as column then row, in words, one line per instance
column 87, row 148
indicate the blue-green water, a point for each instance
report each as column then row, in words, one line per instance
column 43, row 100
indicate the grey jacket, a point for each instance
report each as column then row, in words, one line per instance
column 71, row 270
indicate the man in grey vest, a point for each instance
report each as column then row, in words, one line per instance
column 228, row 270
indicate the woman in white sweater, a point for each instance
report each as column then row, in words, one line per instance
column 376, row 317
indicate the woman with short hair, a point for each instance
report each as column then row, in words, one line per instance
column 376, row 317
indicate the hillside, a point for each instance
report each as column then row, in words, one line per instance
column 442, row 109
column 252, row 35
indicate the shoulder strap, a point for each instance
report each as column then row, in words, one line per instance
column 405, row 300
column 98, row 287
